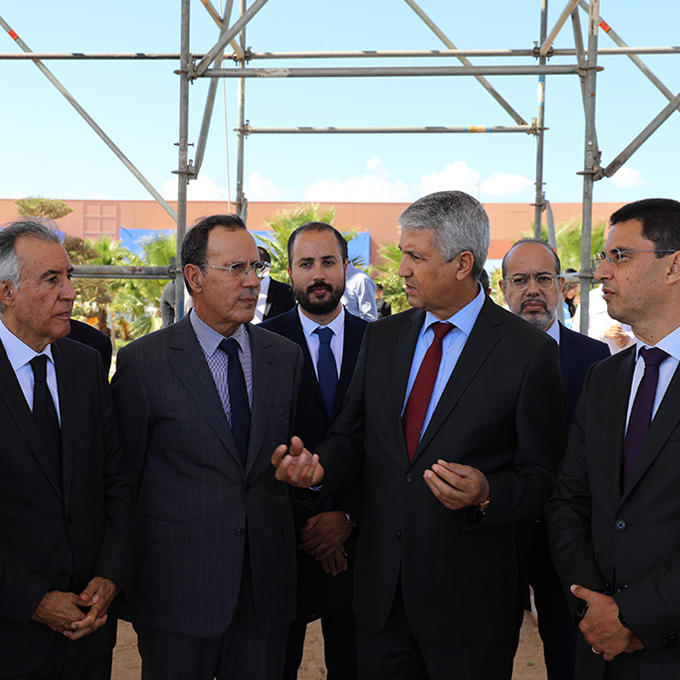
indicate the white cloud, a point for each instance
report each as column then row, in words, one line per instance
column 627, row 178
column 503, row 184
column 201, row 189
column 455, row 177
column 373, row 163
column 260, row 188
column 365, row 189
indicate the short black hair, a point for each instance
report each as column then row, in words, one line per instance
column 660, row 218
column 195, row 244
column 317, row 226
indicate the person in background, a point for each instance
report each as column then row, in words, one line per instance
column 359, row 296
column 275, row 297
column 383, row 307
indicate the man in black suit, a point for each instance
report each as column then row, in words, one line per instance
column 275, row 297
column 455, row 417
column 65, row 495
column 317, row 256
column 532, row 285
column 92, row 337
column 615, row 518
column 202, row 404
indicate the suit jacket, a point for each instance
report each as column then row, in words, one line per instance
column 57, row 534
column 502, row 412
column 606, row 538
column 199, row 511
column 93, row 337
column 312, row 421
column 280, row 299
column 577, row 354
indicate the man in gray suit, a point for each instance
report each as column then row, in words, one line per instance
column 202, row 403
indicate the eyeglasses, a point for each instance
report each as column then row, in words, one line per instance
column 617, row 255
column 240, row 270
column 521, row 281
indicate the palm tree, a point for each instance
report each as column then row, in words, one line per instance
column 283, row 224
column 389, row 279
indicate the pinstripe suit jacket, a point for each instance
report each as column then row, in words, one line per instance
column 198, row 508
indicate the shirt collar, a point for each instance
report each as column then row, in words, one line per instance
column 210, row 339
column 669, row 344
column 18, row 352
column 464, row 319
column 309, row 326
column 554, row 331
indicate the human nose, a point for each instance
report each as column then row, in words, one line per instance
column 68, row 291
column 602, row 271
column 250, row 279
column 532, row 286
column 403, row 270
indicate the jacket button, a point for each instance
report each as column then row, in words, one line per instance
column 398, row 533
column 620, row 525
column 64, row 574
column 410, row 477
column 240, row 531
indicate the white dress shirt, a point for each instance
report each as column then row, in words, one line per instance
column 313, row 342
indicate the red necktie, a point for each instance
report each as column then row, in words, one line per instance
column 421, row 393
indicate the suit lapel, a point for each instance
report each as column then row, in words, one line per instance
column 66, row 408
column 15, row 402
column 263, row 358
column 474, row 354
column 188, row 361
column 618, row 412
column 665, row 421
column 401, row 369
column 350, row 349
column 568, row 358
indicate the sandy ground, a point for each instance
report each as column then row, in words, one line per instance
column 528, row 662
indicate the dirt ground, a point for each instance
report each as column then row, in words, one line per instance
column 528, row 662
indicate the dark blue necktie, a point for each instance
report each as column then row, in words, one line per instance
column 641, row 413
column 326, row 368
column 238, row 397
column 45, row 413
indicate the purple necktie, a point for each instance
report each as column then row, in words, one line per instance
column 421, row 392
column 641, row 413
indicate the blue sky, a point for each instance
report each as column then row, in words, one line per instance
column 49, row 150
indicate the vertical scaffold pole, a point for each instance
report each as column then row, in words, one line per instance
column 182, row 168
column 540, row 122
column 240, row 202
column 590, row 161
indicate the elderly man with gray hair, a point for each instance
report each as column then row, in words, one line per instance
column 65, row 494
column 455, row 418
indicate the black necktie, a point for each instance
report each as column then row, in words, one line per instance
column 45, row 413
column 641, row 413
column 238, row 397
column 326, row 368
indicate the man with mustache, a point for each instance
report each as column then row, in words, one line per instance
column 317, row 257
column 532, row 286
column 614, row 520
column 201, row 403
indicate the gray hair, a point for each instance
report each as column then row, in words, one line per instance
column 40, row 228
column 459, row 221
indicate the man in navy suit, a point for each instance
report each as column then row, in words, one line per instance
column 532, row 287
column 317, row 256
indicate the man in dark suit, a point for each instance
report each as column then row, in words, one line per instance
column 92, row 337
column 455, row 417
column 275, row 297
column 532, row 286
column 201, row 404
column 65, row 497
column 615, row 518
column 317, row 256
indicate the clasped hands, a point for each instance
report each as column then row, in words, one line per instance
column 323, row 538
column 602, row 627
column 63, row 612
column 456, row 486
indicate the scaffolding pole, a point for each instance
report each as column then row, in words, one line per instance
column 539, row 202
column 433, row 129
column 590, row 163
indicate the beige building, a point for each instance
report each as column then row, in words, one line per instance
column 93, row 219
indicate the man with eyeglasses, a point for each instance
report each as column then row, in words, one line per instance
column 532, row 287
column 201, row 405
column 615, row 517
